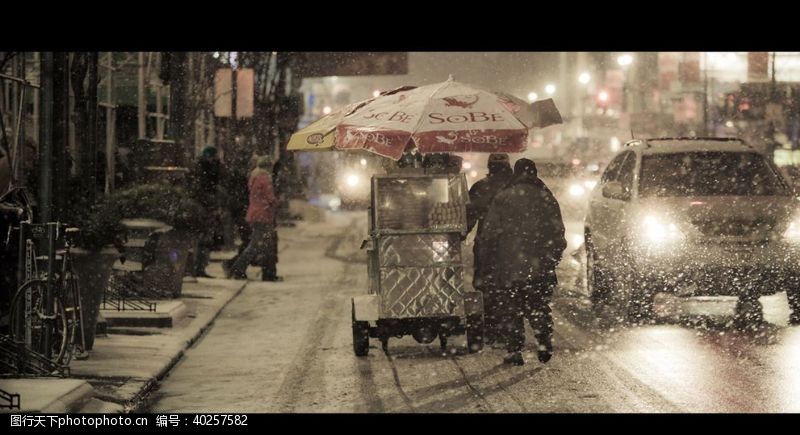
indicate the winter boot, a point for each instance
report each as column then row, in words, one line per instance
column 545, row 349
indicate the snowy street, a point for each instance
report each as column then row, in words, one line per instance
column 286, row 347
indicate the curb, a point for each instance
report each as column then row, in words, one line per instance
column 140, row 399
column 134, row 404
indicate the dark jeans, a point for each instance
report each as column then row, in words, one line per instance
column 491, row 312
column 257, row 245
column 531, row 301
column 202, row 258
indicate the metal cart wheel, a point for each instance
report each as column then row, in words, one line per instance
column 475, row 331
column 360, row 336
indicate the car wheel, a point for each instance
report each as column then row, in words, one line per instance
column 598, row 283
column 749, row 312
column 639, row 303
column 793, row 295
column 360, row 336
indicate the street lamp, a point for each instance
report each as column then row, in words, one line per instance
column 550, row 89
column 376, row 93
column 625, row 60
column 532, row 96
column 584, row 78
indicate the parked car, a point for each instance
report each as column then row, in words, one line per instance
column 699, row 216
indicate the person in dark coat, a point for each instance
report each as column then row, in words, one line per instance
column 481, row 195
column 206, row 179
column 524, row 233
column 237, row 197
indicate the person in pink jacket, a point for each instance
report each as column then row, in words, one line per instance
column 261, row 217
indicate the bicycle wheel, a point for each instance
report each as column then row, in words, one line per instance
column 76, row 318
column 32, row 320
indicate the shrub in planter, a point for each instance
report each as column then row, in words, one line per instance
column 174, row 207
column 97, row 247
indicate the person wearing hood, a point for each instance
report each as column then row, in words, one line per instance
column 481, row 195
column 206, row 179
column 525, row 234
column 261, row 212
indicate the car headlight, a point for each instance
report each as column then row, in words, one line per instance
column 352, row 180
column 657, row 230
column 576, row 190
column 793, row 232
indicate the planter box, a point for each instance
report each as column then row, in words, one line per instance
column 165, row 275
column 93, row 269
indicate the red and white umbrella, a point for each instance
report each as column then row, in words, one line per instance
column 444, row 117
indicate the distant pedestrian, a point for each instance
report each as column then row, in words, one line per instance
column 205, row 184
column 261, row 211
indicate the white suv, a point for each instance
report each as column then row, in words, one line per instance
column 694, row 216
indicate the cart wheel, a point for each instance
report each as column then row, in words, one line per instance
column 360, row 336
column 475, row 331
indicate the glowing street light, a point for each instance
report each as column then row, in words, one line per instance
column 326, row 110
column 550, row 89
column 584, row 78
column 625, row 60
column 532, row 96
column 376, row 93
column 603, row 96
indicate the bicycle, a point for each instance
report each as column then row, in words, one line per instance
column 63, row 330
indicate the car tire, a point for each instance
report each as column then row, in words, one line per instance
column 598, row 279
column 475, row 333
column 639, row 304
column 360, row 336
column 793, row 295
column 748, row 313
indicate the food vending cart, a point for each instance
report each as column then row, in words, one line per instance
column 417, row 221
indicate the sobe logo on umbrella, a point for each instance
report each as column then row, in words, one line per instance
column 463, row 101
column 472, row 137
column 314, row 139
column 460, row 118
column 366, row 137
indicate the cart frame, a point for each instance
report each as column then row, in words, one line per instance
column 416, row 284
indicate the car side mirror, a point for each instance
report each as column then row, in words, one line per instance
column 615, row 190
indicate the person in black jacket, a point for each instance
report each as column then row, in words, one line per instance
column 481, row 195
column 524, row 234
column 206, row 179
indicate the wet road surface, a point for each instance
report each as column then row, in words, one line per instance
column 287, row 347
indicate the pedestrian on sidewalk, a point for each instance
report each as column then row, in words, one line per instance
column 205, row 185
column 525, row 232
column 261, row 213
column 236, row 180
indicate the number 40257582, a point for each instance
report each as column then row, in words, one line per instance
column 220, row 420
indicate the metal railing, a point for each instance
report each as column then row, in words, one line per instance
column 9, row 400
column 124, row 292
column 16, row 359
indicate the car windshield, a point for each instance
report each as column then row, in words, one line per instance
column 708, row 174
